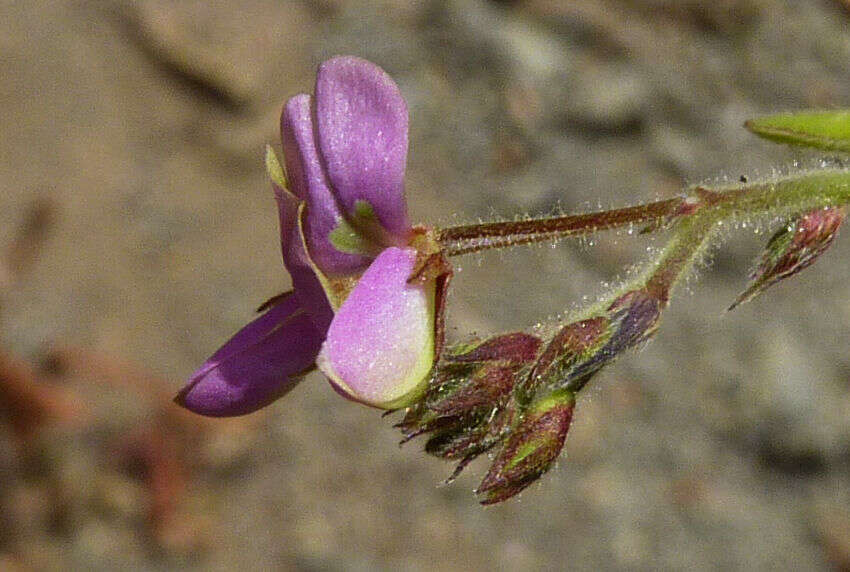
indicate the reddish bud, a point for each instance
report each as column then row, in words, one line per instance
column 481, row 375
column 636, row 316
column 531, row 449
column 566, row 349
column 486, row 387
column 629, row 321
column 793, row 248
column 511, row 348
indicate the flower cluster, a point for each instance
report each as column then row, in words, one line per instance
column 517, row 391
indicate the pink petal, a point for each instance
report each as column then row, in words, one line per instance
column 305, row 281
column 380, row 346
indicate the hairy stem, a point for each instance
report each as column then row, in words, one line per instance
column 780, row 197
column 477, row 237
column 691, row 238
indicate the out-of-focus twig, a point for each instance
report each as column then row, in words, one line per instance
column 832, row 528
column 27, row 401
column 163, row 450
column 158, row 34
column 27, row 241
column 155, row 455
column 67, row 359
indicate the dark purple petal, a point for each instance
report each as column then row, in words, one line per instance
column 308, row 181
column 361, row 122
column 259, row 364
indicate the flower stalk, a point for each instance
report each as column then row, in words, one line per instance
column 465, row 239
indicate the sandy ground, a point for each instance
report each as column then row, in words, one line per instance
column 138, row 232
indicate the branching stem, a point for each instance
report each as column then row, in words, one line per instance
column 783, row 196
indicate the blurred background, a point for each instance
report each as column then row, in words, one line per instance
column 138, row 231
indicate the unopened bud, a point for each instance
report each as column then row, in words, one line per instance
column 630, row 320
column 572, row 342
column 793, row 248
column 513, row 348
column 531, row 449
column 636, row 315
column 481, row 375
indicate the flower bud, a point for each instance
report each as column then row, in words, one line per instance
column 481, row 374
column 514, row 348
column 581, row 349
column 531, row 448
column 572, row 342
column 793, row 248
column 636, row 316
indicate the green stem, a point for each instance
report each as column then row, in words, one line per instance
column 713, row 210
column 689, row 241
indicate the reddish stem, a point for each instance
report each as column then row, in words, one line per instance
column 477, row 237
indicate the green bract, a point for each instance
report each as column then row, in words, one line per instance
column 827, row 130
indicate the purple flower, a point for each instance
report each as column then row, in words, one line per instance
column 351, row 252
